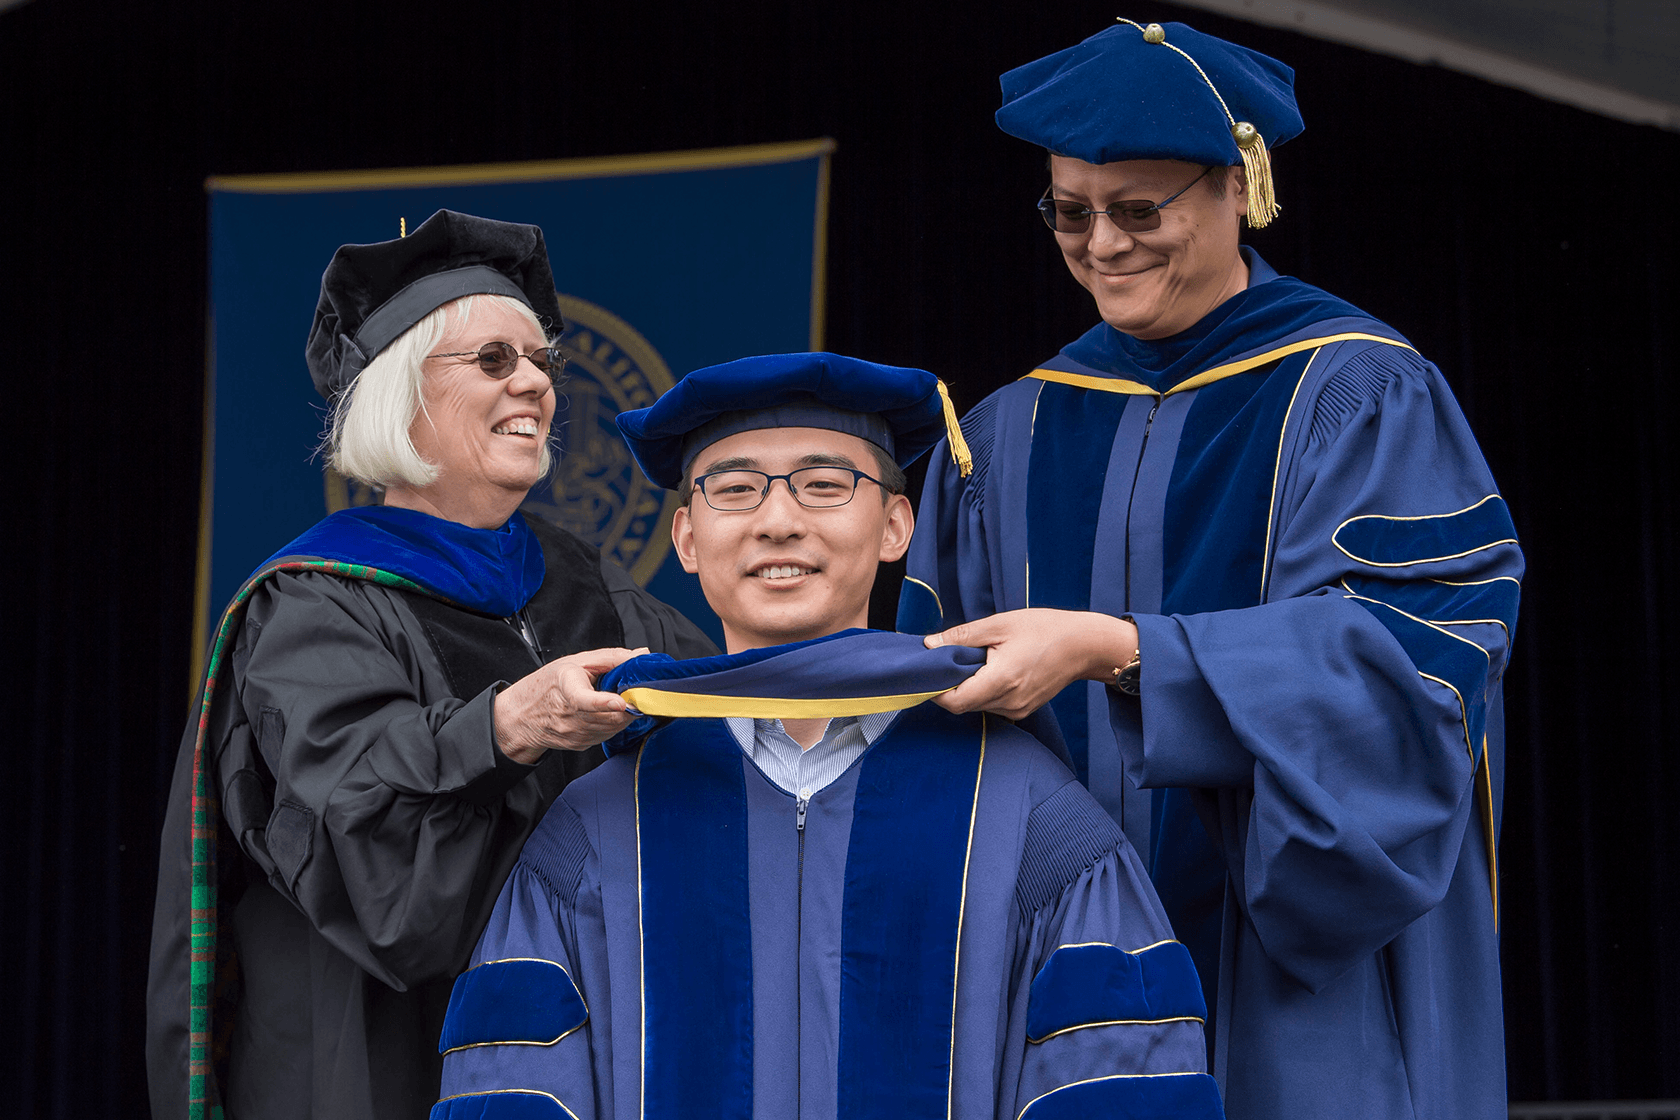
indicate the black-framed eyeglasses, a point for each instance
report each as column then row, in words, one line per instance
column 738, row 491
column 1133, row 216
column 498, row 359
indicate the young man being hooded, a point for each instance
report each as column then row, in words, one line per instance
column 806, row 893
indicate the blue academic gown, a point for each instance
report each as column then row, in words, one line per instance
column 683, row 938
column 1287, row 501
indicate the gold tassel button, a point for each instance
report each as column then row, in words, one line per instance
column 1257, row 163
column 960, row 455
column 1154, row 33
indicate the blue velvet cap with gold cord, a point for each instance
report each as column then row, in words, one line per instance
column 901, row 410
column 851, row 673
column 1161, row 91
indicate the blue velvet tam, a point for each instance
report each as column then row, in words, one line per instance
column 902, row 411
column 1163, row 91
column 371, row 294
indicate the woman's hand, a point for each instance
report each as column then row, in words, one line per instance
column 1033, row 654
column 557, row 707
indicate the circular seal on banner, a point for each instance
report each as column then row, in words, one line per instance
column 596, row 490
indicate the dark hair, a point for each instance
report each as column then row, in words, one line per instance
column 889, row 472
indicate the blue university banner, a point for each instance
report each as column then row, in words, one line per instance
column 663, row 263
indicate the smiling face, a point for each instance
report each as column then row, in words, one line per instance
column 782, row 572
column 1161, row 281
column 485, row 435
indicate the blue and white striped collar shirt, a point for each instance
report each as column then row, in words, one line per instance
column 803, row 772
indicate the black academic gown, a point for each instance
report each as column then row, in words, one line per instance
column 367, row 822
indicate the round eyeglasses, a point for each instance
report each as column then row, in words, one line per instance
column 737, row 491
column 498, row 359
column 1132, row 216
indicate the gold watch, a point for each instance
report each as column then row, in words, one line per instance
column 1126, row 677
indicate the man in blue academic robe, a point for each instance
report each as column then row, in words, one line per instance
column 808, row 894
column 1240, row 540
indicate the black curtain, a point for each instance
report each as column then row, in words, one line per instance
column 1526, row 247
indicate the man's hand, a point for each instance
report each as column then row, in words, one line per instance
column 1033, row 654
column 557, row 707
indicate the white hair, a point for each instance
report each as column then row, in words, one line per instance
column 367, row 438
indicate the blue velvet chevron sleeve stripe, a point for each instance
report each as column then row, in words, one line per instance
column 1453, row 632
column 1489, row 602
column 1381, row 541
column 1171, row 1096
column 502, row 1104
column 1099, row 985
column 524, row 1001
column 1443, row 657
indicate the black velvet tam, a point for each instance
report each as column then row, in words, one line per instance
column 370, row 294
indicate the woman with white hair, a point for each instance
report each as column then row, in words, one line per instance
column 391, row 703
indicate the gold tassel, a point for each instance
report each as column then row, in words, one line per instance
column 402, row 227
column 1257, row 163
column 959, row 447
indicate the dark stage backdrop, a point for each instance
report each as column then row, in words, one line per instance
column 1526, row 247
